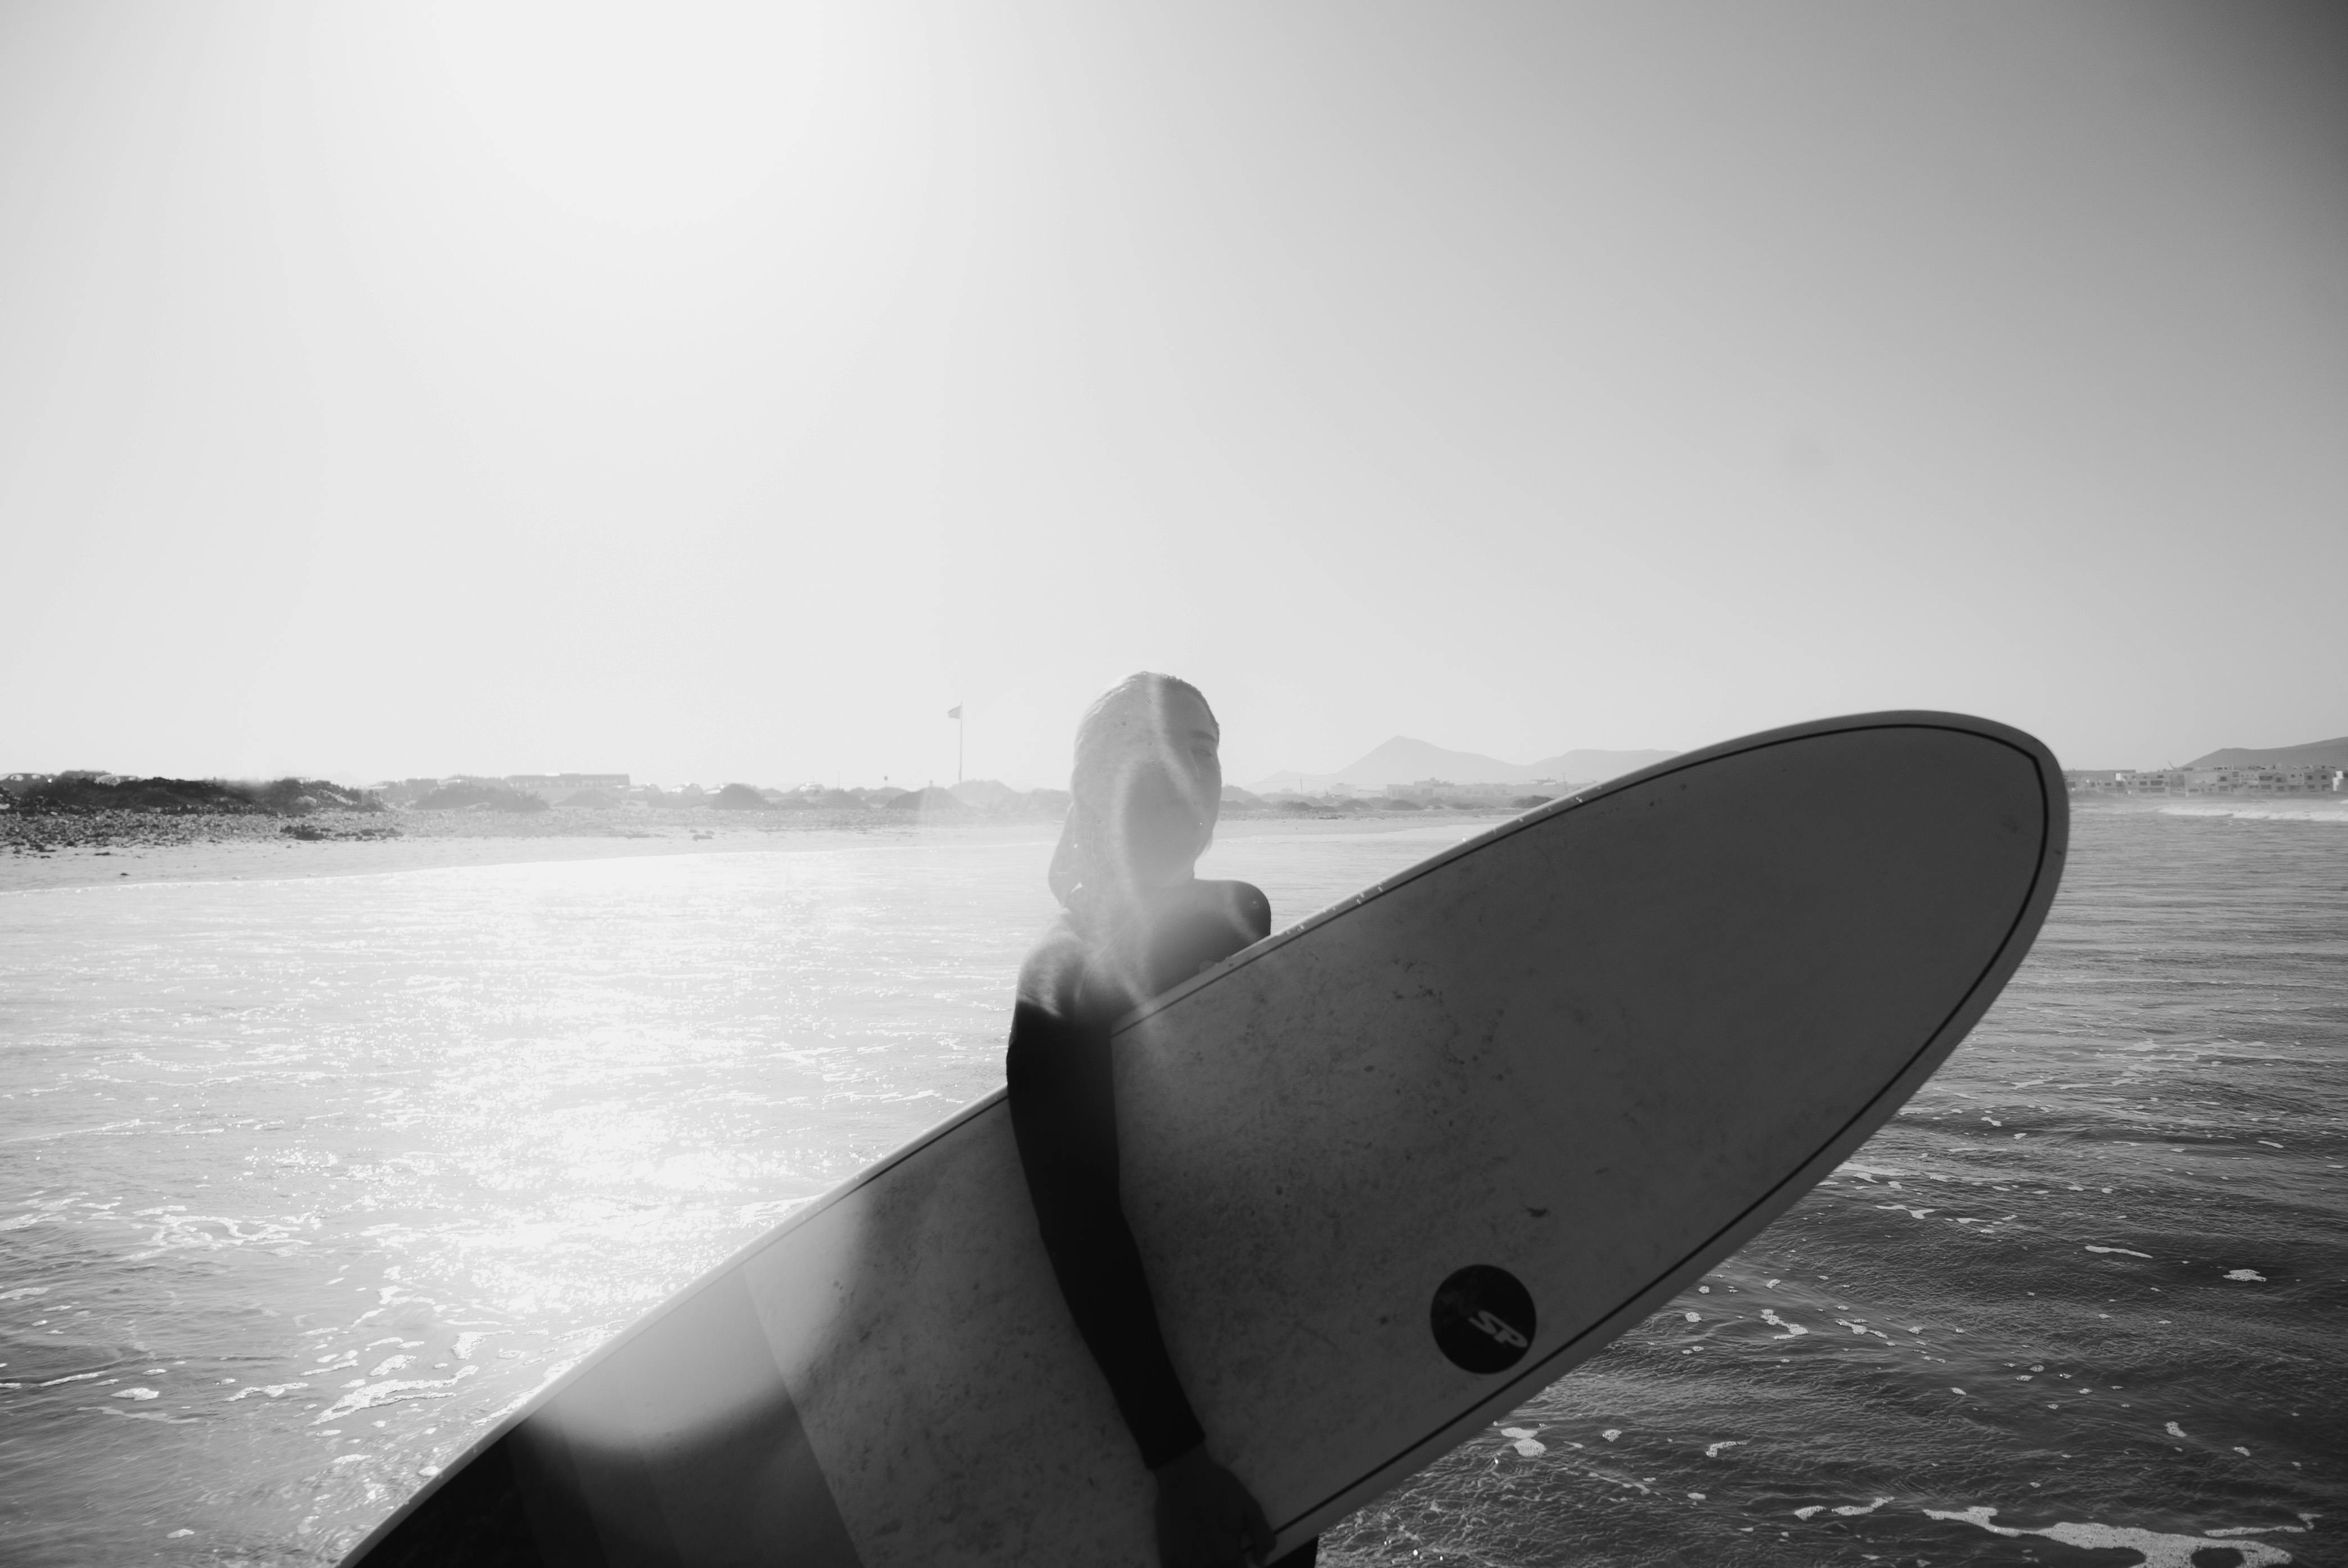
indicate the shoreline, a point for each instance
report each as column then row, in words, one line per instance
column 126, row 849
column 2235, row 807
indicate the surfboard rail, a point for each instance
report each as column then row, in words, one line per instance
column 1555, row 1363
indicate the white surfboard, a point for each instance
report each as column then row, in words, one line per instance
column 1393, row 1169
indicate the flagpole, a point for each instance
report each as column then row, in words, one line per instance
column 958, row 723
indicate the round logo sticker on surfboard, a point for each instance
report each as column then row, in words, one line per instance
column 1483, row 1318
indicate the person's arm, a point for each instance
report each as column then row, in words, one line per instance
column 1064, row 1115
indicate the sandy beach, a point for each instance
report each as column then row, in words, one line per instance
column 64, row 850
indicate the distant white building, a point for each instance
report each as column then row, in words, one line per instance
column 2257, row 779
column 2301, row 779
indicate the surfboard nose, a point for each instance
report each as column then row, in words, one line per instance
column 1587, row 1052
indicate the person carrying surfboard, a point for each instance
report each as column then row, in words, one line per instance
column 1135, row 920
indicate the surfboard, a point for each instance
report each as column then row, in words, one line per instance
column 1393, row 1169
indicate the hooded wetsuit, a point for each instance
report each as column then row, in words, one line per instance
column 1064, row 1114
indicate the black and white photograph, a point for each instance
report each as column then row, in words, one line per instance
column 1070, row 783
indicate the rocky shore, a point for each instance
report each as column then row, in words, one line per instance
column 89, row 850
column 47, row 832
column 40, row 833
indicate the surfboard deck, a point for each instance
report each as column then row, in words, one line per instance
column 1393, row 1169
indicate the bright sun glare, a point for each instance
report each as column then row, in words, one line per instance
column 635, row 114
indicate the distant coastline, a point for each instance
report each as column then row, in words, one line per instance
column 97, row 829
column 87, row 813
column 2300, row 781
column 2313, row 768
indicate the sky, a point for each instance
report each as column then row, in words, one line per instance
column 717, row 392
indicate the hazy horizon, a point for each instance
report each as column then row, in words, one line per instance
column 725, row 391
column 1268, row 779
column 852, row 779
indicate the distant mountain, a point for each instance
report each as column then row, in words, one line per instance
column 1406, row 760
column 1585, row 765
column 2314, row 753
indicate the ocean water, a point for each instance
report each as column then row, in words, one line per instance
column 304, row 1182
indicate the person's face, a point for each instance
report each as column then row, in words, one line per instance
column 1172, row 801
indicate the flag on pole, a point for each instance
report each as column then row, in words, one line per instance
column 954, row 711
